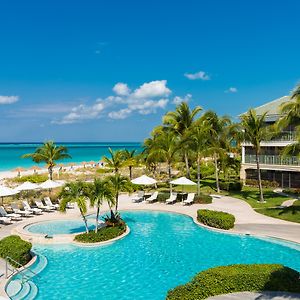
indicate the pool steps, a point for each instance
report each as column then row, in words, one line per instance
column 21, row 286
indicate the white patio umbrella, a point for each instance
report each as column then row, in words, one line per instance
column 182, row 181
column 50, row 184
column 144, row 180
column 6, row 191
column 27, row 186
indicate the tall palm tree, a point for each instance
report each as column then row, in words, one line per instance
column 255, row 131
column 116, row 160
column 49, row 153
column 99, row 191
column 130, row 160
column 181, row 120
column 75, row 192
column 119, row 183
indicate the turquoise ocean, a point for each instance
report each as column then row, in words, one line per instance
column 10, row 153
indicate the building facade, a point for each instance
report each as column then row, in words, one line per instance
column 274, row 167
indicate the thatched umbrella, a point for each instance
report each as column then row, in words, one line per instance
column 83, row 163
column 35, row 168
column 19, row 170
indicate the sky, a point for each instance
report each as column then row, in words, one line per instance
column 83, row 71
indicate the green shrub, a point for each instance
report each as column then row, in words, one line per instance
column 16, row 248
column 35, row 178
column 231, row 185
column 163, row 196
column 217, row 219
column 292, row 191
column 264, row 183
column 203, row 199
column 104, row 170
column 103, row 234
column 238, row 278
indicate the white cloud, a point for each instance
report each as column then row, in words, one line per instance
column 198, row 75
column 232, row 90
column 8, row 99
column 177, row 100
column 121, row 89
column 151, row 89
column 120, row 114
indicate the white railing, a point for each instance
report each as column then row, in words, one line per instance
column 273, row 160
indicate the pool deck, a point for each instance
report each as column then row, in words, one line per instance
column 247, row 222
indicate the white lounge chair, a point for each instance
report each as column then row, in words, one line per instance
column 48, row 202
column 139, row 198
column 5, row 220
column 172, row 198
column 35, row 210
column 43, row 207
column 69, row 205
column 153, row 197
column 190, row 199
column 13, row 216
column 17, row 210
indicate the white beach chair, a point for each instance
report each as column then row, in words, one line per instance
column 35, row 210
column 69, row 205
column 43, row 207
column 190, row 199
column 172, row 198
column 13, row 216
column 17, row 210
column 139, row 198
column 153, row 197
column 48, row 202
column 5, row 220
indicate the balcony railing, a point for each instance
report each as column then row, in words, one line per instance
column 285, row 136
column 273, row 160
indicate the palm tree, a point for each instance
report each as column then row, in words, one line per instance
column 116, row 162
column 119, row 183
column 98, row 191
column 181, row 120
column 255, row 131
column 49, row 153
column 75, row 192
column 130, row 160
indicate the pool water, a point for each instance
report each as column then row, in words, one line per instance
column 162, row 251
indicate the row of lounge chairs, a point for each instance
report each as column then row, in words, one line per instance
column 171, row 200
column 17, row 213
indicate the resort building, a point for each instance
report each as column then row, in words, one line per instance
column 285, row 171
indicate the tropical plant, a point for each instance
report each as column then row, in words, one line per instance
column 130, row 160
column 116, row 160
column 49, row 153
column 181, row 121
column 99, row 191
column 75, row 192
column 255, row 131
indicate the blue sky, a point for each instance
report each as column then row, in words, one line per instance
column 109, row 70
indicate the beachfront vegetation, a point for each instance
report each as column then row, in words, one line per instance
column 34, row 178
column 238, row 278
column 14, row 247
column 48, row 153
column 216, row 219
column 103, row 234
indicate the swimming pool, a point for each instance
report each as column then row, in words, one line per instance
column 162, row 251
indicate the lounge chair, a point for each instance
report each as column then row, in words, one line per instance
column 69, row 205
column 35, row 210
column 139, row 198
column 17, row 210
column 13, row 216
column 153, row 197
column 48, row 202
column 43, row 207
column 190, row 199
column 5, row 220
column 172, row 198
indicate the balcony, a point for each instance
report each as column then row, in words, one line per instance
column 284, row 136
column 273, row 160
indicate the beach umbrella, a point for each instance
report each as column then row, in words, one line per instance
column 27, row 186
column 84, row 163
column 6, row 191
column 144, row 180
column 182, row 181
column 50, row 184
column 19, row 170
column 92, row 163
column 35, row 168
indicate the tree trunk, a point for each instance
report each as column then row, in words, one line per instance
column 259, row 178
column 117, row 202
column 130, row 172
column 198, row 175
column 217, row 173
column 97, row 217
column 50, row 170
column 170, row 171
column 188, row 174
column 84, row 220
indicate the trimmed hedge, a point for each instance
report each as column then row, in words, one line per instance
column 103, row 234
column 16, row 248
column 231, row 185
column 35, row 178
column 216, row 219
column 238, row 278
column 264, row 183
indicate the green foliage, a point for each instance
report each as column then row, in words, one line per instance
column 264, row 183
column 163, row 196
column 231, row 185
column 203, row 199
column 238, row 278
column 103, row 234
column 216, row 219
column 104, row 170
column 292, row 191
column 35, row 178
column 16, row 248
